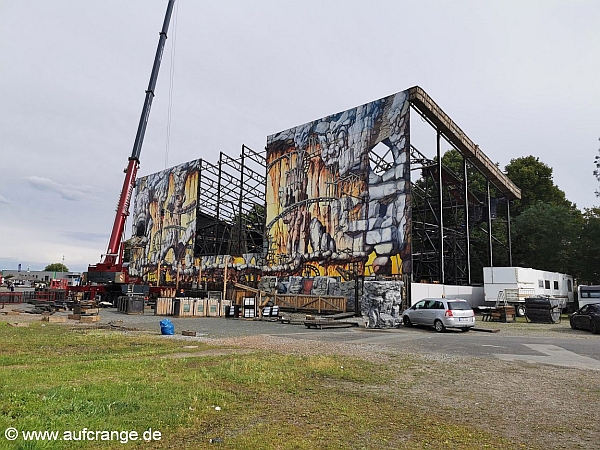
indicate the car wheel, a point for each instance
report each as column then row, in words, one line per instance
column 406, row 321
column 439, row 326
column 464, row 330
column 520, row 310
column 572, row 324
column 596, row 327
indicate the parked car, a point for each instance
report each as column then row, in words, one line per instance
column 586, row 318
column 440, row 313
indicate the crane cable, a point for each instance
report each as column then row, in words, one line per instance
column 171, row 78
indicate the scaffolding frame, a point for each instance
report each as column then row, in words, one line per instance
column 231, row 205
column 446, row 210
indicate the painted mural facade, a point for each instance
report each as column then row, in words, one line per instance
column 164, row 230
column 338, row 192
column 164, row 222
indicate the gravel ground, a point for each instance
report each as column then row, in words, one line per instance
column 536, row 406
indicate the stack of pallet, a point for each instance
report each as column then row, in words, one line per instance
column 85, row 312
column 503, row 314
column 191, row 307
column 164, row 306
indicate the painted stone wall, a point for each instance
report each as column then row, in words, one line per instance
column 381, row 303
column 338, row 192
column 164, row 221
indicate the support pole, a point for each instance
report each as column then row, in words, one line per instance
column 226, row 262
column 467, row 227
column 508, row 232
column 241, row 231
column 489, row 208
column 200, row 273
column 441, row 209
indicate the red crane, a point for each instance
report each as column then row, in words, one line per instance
column 110, row 269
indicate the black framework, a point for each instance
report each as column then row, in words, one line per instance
column 455, row 227
column 231, row 205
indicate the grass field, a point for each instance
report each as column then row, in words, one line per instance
column 57, row 378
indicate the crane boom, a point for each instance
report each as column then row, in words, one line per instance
column 111, row 261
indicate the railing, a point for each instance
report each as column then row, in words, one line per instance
column 525, row 293
column 11, row 297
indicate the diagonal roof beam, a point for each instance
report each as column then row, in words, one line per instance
column 453, row 134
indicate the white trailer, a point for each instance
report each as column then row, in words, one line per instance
column 587, row 295
column 514, row 284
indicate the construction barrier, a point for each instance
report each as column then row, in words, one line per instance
column 314, row 303
column 11, row 297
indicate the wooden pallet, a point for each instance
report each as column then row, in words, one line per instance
column 328, row 323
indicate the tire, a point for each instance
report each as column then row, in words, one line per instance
column 406, row 321
column 439, row 326
column 595, row 326
column 520, row 310
column 572, row 324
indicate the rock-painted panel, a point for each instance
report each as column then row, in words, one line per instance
column 335, row 199
column 164, row 222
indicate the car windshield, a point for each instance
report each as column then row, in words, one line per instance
column 458, row 305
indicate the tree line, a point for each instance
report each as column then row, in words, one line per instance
column 548, row 231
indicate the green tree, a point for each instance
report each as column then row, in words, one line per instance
column 56, row 267
column 545, row 237
column 453, row 160
column 534, row 178
column 589, row 248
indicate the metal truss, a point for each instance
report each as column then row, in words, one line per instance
column 449, row 218
column 231, row 205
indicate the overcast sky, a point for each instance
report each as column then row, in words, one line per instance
column 519, row 77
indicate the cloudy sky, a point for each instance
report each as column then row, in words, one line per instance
column 519, row 77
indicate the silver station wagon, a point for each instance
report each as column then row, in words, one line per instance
column 440, row 313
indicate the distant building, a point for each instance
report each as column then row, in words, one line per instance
column 29, row 278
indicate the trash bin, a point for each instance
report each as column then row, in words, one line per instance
column 135, row 305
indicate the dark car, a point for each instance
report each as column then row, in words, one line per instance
column 586, row 318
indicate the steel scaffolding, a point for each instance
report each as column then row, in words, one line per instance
column 231, row 205
column 455, row 228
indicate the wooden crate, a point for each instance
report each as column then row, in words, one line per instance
column 164, row 306
column 200, row 307
column 54, row 319
column 183, row 307
column 89, row 319
column 224, row 305
column 212, row 307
